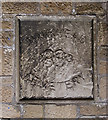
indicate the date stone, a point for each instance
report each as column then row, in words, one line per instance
column 55, row 57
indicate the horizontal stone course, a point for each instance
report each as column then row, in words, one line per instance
column 19, row 7
column 62, row 111
column 33, row 111
column 9, row 111
column 93, row 110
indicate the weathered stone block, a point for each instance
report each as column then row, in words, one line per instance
column 52, row 58
column 9, row 111
column 6, row 89
column 62, row 111
column 89, row 8
column 33, row 111
column 7, row 59
column 103, row 53
column 56, row 7
column 0, row 61
column 19, row 7
column 93, row 109
column 6, row 81
column 103, row 88
column 103, row 67
column 7, row 25
column 103, row 34
column 7, row 38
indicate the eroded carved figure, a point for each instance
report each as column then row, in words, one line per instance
column 55, row 59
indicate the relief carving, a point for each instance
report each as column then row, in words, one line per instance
column 55, row 60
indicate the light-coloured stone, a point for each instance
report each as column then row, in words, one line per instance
column 33, row 111
column 7, row 94
column 9, row 111
column 103, row 88
column 97, row 109
column 7, row 58
column 6, row 81
column 19, row 7
column 62, row 111
column 7, row 38
column 103, row 67
column 0, row 61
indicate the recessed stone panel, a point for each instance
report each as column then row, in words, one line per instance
column 54, row 57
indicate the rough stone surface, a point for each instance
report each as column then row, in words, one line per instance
column 52, row 58
column 93, row 109
column 63, row 111
column 103, row 68
column 19, row 7
column 7, row 58
column 103, row 34
column 104, row 53
column 7, row 94
column 103, row 88
column 33, row 111
column 7, row 25
column 9, row 111
column 6, row 91
column 56, row 7
column 7, row 38
column 89, row 8
column 0, row 61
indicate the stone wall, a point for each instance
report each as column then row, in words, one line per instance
column 96, row 108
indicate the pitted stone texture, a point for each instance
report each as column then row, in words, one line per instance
column 103, row 34
column 103, row 55
column 52, row 58
column 0, row 60
column 103, row 88
column 7, row 59
column 7, row 38
column 19, row 7
column 56, row 7
column 9, row 111
column 97, row 109
column 7, row 90
column 7, row 25
column 89, row 8
column 62, row 111
column 33, row 111
column 103, row 67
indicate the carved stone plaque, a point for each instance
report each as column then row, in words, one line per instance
column 55, row 57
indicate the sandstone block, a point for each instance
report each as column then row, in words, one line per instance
column 103, row 88
column 62, row 111
column 7, row 25
column 89, row 8
column 33, row 111
column 104, row 53
column 20, row 7
column 7, row 38
column 103, row 67
column 93, row 110
column 7, row 58
column 56, row 7
column 9, row 111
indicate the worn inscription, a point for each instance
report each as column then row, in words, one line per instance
column 55, row 59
